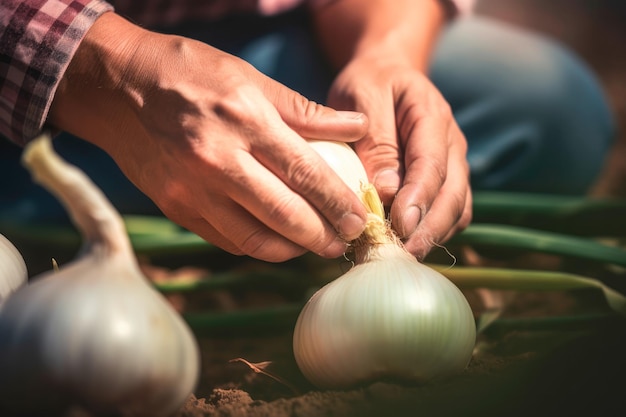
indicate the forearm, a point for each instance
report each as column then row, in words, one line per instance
column 359, row 28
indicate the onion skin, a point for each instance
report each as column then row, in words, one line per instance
column 379, row 322
column 389, row 317
column 342, row 159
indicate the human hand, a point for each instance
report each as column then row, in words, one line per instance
column 214, row 143
column 414, row 152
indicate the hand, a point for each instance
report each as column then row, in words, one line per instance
column 414, row 152
column 217, row 145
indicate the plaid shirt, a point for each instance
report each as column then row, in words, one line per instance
column 38, row 38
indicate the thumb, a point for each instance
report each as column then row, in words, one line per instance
column 313, row 120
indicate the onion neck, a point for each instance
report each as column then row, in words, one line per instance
column 377, row 231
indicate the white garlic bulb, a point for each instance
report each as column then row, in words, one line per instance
column 94, row 333
column 389, row 317
column 13, row 272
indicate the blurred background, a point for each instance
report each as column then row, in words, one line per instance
column 596, row 30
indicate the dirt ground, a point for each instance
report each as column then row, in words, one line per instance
column 516, row 370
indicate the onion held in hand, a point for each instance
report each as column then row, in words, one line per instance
column 389, row 317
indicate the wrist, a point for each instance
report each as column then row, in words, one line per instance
column 93, row 92
column 388, row 28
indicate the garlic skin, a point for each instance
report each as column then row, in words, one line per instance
column 389, row 317
column 101, row 339
column 13, row 272
column 95, row 333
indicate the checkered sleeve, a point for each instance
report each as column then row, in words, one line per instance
column 38, row 38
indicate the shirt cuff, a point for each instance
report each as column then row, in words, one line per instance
column 44, row 38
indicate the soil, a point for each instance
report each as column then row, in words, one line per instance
column 518, row 370
column 516, row 374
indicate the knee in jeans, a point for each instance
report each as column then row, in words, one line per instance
column 528, row 99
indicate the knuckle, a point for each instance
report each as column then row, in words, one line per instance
column 435, row 170
column 237, row 105
column 458, row 205
column 261, row 246
column 466, row 217
column 283, row 209
column 309, row 109
column 253, row 244
column 462, row 211
column 302, row 173
column 169, row 199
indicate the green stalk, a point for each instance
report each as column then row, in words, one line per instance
column 266, row 280
column 556, row 323
column 583, row 216
column 463, row 277
column 148, row 235
column 518, row 238
column 257, row 319
column 529, row 280
column 285, row 316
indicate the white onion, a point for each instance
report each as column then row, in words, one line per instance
column 389, row 317
column 338, row 156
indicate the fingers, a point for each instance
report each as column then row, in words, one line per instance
column 425, row 225
column 302, row 198
column 245, row 236
column 290, row 188
column 315, row 121
column 379, row 150
column 427, row 141
column 277, row 197
column 264, row 218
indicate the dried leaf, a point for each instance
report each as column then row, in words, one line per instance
column 260, row 368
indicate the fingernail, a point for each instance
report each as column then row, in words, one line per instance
column 350, row 114
column 410, row 219
column 388, row 179
column 350, row 226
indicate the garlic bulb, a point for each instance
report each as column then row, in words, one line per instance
column 13, row 273
column 389, row 317
column 95, row 333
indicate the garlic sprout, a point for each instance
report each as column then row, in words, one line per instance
column 96, row 333
column 389, row 317
column 13, row 273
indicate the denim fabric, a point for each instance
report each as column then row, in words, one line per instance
column 535, row 117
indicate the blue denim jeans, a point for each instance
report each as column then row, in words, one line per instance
column 535, row 117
